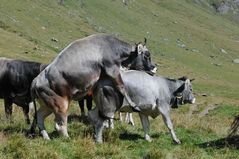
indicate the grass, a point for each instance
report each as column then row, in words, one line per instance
column 28, row 27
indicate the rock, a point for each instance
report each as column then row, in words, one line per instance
column 217, row 64
column 35, row 47
column 212, row 56
column 223, row 51
column 194, row 50
column 235, row 61
column 54, row 39
column 182, row 45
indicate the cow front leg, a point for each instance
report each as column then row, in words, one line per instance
column 8, row 108
column 89, row 100
column 97, row 123
column 145, row 123
column 81, row 104
column 129, row 119
column 168, row 123
column 25, row 109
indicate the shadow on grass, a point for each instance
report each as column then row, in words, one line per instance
column 229, row 142
column 76, row 118
column 13, row 129
column 131, row 136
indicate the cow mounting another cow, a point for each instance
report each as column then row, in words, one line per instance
column 75, row 71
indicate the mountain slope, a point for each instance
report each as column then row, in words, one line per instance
column 185, row 37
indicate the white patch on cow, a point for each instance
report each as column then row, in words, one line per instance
column 31, row 107
column 45, row 135
column 194, row 100
column 154, row 70
column 147, row 138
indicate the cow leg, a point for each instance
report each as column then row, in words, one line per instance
column 42, row 113
column 114, row 73
column 81, row 104
column 89, row 100
column 145, row 123
column 8, row 108
column 120, row 117
column 129, row 119
column 98, row 124
column 25, row 109
column 61, row 116
column 61, row 124
column 168, row 123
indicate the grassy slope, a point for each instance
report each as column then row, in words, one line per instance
column 27, row 25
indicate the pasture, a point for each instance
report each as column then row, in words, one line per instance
column 185, row 38
column 202, row 134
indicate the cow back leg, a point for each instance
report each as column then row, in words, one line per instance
column 168, row 123
column 61, row 116
column 145, row 123
column 81, row 104
column 8, row 108
column 42, row 113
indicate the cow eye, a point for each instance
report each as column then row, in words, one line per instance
column 147, row 54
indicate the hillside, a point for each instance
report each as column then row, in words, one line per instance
column 185, row 37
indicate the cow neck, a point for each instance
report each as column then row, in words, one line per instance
column 173, row 87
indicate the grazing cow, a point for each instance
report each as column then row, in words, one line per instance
column 76, row 70
column 16, row 77
column 154, row 95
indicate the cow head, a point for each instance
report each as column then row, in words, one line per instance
column 140, row 59
column 184, row 94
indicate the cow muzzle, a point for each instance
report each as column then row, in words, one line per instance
column 193, row 101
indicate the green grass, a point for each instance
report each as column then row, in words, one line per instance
column 26, row 32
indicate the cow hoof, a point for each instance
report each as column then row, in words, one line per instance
column 136, row 109
column 147, row 138
column 28, row 121
column 177, row 142
column 30, row 135
column 45, row 135
column 99, row 141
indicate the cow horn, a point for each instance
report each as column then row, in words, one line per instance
column 145, row 41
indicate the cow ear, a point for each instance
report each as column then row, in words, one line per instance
column 192, row 79
column 140, row 48
column 184, row 78
column 181, row 88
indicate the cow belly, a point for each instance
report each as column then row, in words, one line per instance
column 147, row 109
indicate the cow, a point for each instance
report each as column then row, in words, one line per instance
column 129, row 64
column 16, row 77
column 76, row 70
column 154, row 95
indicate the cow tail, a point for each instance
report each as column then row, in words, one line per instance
column 35, row 108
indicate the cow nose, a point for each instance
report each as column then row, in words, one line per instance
column 154, row 70
column 193, row 101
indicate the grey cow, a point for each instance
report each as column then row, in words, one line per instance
column 75, row 72
column 154, row 95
